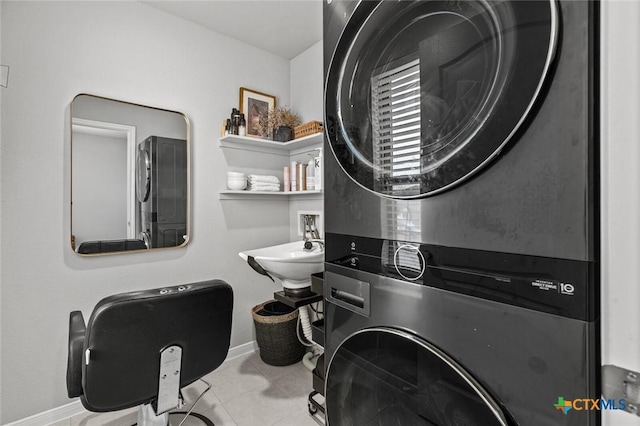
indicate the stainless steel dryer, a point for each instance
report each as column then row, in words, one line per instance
column 461, row 203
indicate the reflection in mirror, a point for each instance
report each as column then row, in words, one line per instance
column 129, row 176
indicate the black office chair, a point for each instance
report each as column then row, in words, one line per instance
column 141, row 348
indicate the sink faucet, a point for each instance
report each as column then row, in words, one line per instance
column 308, row 243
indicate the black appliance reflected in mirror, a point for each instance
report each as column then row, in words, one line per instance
column 129, row 177
column 161, row 188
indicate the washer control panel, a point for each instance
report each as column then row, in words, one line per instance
column 556, row 286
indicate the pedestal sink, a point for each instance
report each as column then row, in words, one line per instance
column 289, row 263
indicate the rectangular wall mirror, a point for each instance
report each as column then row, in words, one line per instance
column 130, row 171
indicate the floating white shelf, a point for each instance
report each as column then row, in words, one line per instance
column 236, row 195
column 264, row 145
column 284, row 149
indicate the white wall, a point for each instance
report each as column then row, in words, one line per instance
column 620, row 197
column 132, row 52
column 307, row 83
column 307, row 87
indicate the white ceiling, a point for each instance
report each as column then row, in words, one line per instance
column 283, row 27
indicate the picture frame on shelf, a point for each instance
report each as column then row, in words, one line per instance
column 252, row 104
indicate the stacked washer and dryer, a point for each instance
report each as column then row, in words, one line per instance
column 161, row 190
column 461, row 212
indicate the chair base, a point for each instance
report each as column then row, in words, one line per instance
column 148, row 417
column 199, row 416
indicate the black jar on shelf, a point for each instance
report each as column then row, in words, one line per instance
column 283, row 134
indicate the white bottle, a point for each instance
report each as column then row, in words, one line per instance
column 317, row 174
column 294, row 177
column 311, row 170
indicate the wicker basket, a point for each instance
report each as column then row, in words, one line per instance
column 306, row 129
column 277, row 337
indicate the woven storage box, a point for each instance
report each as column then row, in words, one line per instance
column 306, row 129
column 277, row 336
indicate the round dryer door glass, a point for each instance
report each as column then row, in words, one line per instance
column 143, row 175
column 420, row 95
column 382, row 376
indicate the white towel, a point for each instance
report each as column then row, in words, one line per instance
column 262, row 184
column 263, row 179
column 264, row 187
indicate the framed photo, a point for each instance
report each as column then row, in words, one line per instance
column 252, row 104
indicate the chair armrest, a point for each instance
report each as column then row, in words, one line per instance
column 77, row 330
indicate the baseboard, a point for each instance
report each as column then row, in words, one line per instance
column 247, row 348
column 74, row 408
column 51, row 416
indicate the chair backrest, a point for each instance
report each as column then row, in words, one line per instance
column 127, row 332
column 108, row 246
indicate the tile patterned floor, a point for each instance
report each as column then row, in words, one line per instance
column 245, row 392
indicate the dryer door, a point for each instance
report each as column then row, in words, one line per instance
column 383, row 376
column 420, row 95
column 143, row 174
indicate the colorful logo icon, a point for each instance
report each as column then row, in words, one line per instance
column 563, row 405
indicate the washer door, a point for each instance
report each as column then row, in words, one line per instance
column 383, row 376
column 420, row 95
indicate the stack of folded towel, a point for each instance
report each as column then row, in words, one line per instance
column 263, row 183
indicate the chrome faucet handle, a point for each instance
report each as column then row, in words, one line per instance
column 308, row 243
column 319, row 241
